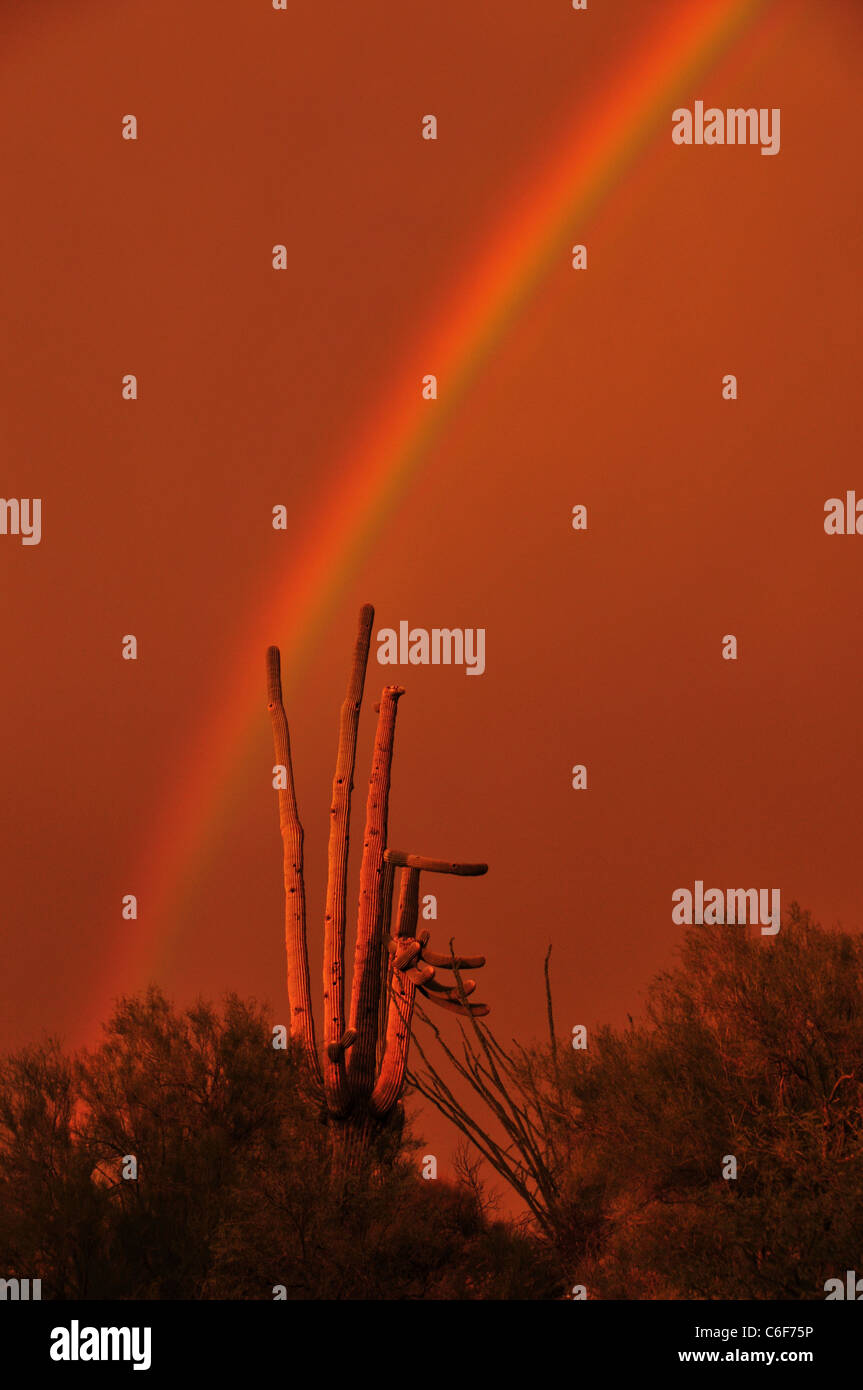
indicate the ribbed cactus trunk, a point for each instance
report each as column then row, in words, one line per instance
column 299, row 991
column 335, row 1036
column 403, row 989
column 365, row 991
column 386, row 959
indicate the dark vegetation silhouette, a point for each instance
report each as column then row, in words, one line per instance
column 749, row 1047
column 233, row 1194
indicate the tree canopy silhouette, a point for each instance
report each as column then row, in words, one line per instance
column 232, row 1197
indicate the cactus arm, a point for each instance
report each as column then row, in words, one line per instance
column 402, row 994
column 434, row 866
column 460, row 962
column 420, row 974
column 451, row 991
column 404, row 953
column 335, row 1082
column 299, row 992
column 365, row 989
column 386, row 959
column 338, row 1049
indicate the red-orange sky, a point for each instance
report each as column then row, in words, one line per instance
column 603, row 648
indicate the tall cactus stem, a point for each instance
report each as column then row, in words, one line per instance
column 365, row 990
column 335, row 1080
column 386, row 959
column 299, row 992
column 402, row 994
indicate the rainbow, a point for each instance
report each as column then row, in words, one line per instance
column 585, row 167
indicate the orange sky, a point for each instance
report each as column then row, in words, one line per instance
column 706, row 517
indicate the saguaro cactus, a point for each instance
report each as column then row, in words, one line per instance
column 388, row 973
